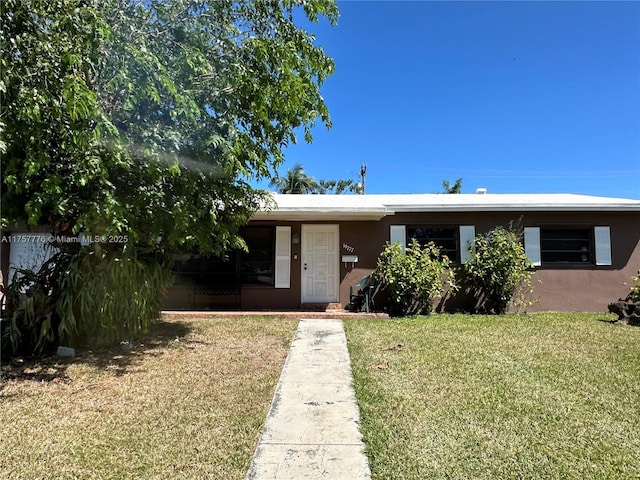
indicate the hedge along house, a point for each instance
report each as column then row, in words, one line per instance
column 310, row 249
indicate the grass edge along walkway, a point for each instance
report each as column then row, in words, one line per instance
column 187, row 402
column 552, row 395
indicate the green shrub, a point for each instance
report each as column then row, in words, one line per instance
column 498, row 270
column 413, row 279
column 95, row 297
column 634, row 294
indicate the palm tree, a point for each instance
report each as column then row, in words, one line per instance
column 455, row 188
column 295, row 181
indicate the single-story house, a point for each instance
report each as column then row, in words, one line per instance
column 309, row 249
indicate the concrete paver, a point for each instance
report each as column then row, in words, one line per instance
column 312, row 429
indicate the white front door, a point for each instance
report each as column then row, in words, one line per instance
column 320, row 263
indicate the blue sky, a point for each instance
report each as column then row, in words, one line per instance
column 516, row 97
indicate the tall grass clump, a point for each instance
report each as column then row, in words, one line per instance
column 94, row 297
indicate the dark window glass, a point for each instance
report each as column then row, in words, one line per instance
column 566, row 245
column 211, row 273
column 207, row 273
column 257, row 265
column 445, row 238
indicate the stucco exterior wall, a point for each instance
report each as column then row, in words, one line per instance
column 556, row 288
column 364, row 236
column 592, row 288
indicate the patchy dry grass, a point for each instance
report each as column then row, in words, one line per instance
column 545, row 396
column 187, row 402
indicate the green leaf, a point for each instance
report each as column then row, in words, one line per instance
column 147, row 119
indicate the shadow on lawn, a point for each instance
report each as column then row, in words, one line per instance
column 608, row 320
column 116, row 359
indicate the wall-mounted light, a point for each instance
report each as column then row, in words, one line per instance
column 295, row 238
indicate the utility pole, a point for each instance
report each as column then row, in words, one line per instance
column 363, row 174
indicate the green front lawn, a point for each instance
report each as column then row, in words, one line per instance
column 187, row 402
column 536, row 396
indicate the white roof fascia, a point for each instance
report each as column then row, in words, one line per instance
column 517, row 208
column 310, row 214
column 324, row 207
column 375, row 207
column 512, row 202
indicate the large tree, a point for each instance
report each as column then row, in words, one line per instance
column 145, row 118
column 141, row 122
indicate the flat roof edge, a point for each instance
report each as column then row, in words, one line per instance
column 310, row 215
column 520, row 208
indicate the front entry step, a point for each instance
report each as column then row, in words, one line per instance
column 320, row 307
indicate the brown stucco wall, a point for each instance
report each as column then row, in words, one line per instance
column 592, row 288
column 364, row 237
column 561, row 288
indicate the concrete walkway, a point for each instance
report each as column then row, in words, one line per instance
column 312, row 429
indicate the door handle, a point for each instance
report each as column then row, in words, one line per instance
column 304, row 266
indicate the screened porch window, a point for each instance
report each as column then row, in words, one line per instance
column 257, row 265
column 445, row 238
column 566, row 245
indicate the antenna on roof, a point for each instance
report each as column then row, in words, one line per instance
column 363, row 174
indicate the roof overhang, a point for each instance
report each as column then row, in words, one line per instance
column 516, row 208
column 309, row 208
column 310, row 215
